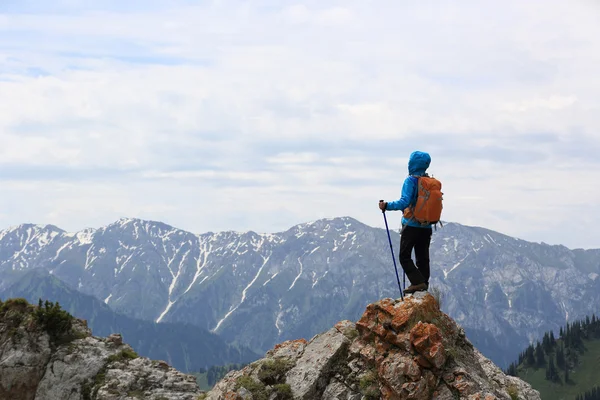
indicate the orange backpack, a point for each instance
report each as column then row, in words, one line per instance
column 428, row 208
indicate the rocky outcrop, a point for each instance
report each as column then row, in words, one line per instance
column 398, row 350
column 45, row 354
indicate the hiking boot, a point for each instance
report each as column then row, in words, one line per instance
column 415, row 288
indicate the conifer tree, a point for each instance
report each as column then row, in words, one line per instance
column 560, row 357
column 530, row 356
column 540, row 359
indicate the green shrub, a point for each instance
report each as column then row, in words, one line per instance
column 351, row 333
column 16, row 302
column 86, row 390
column 513, row 392
column 54, row 320
column 283, row 391
column 258, row 389
column 273, row 371
column 369, row 385
column 123, row 355
column 13, row 311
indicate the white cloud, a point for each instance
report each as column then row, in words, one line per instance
column 258, row 115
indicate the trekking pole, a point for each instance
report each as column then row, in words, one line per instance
column 393, row 256
column 403, row 272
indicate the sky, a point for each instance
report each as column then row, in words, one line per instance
column 262, row 114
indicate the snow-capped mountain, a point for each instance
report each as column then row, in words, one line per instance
column 260, row 289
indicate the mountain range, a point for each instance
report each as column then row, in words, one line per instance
column 257, row 290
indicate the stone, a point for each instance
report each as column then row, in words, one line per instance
column 291, row 349
column 306, row 378
column 427, row 340
column 115, row 338
column 34, row 368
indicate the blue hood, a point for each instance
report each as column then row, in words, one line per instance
column 418, row 163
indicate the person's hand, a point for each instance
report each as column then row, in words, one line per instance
column 382, row 205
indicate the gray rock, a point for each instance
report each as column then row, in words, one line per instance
column 34, row 368
column 339, row 391
column 443, row 393
column 74, row 365
column 501, row 382
column 23, row 359
column 146, row 378
column 313, row 370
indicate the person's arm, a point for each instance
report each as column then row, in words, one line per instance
column 407, row 196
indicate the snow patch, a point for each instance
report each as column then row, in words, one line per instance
column 271, row 278
column 454, row 266
column 84, row 237
column 278, row 319
column 61, row 249
column 165, row 311
column 318, row 279
column 205, row 253
column 265, row 260
column 106, row 300
column 301, row 268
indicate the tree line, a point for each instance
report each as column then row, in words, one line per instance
column 593, row 394
column 559, row 356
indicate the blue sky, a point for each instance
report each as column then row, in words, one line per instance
column 238, row 115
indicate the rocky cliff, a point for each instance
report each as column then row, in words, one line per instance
column 45, row 354
column 398, row 350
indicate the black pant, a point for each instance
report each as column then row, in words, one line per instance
column 418, row 239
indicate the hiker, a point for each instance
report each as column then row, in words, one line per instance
column 416, row 226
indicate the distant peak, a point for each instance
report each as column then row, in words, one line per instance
column 125, row 221
column 36, row 227
column 44, row 233
column 327, row 223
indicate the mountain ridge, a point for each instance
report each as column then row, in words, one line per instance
column 500, row 288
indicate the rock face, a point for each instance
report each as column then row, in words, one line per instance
column 52, row 356
column 398, row 350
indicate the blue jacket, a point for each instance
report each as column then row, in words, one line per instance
column 417, row 165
